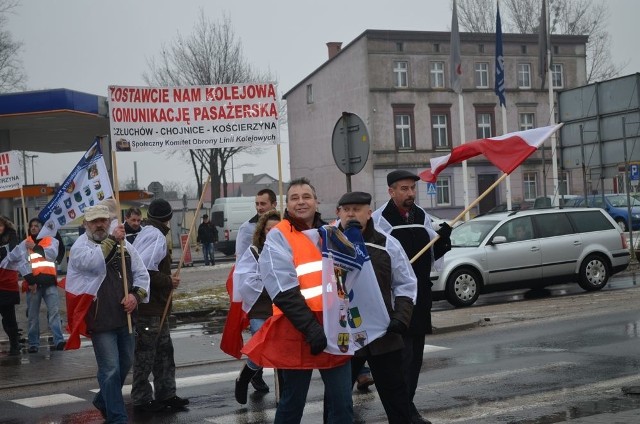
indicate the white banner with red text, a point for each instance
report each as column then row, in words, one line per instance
column 195, row 117
column 10, row 172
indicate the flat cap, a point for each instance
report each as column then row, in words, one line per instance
column 400, row 174
column 355, row 198
column 96, row 212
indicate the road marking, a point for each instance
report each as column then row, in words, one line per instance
column 49, row 400
column 263, row 415
column 432, row 348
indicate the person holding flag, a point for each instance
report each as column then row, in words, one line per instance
column 411, row 225
column 99, row 307
column 397, row 283
column 9, row 291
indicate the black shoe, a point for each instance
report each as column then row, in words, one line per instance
column 61, row 345
column 33, row 349
column 259, row 384
column 151, row 406
column 102, row 410
column 175, row 402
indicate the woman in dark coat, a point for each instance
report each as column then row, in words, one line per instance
column 9, row 292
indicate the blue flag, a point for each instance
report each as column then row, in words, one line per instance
column 499, row 89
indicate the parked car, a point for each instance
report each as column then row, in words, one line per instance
column 616, row 206
column 502, row 207
column 530, row 249
column 565, row 200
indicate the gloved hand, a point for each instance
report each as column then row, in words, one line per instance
column 316, row 338
column 444, row 231
column 396, row 326
column 353, row 223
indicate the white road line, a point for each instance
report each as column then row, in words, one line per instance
column 265, row 415
column 432, row 348
column 49, row 400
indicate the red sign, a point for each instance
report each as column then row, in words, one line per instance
column 188, row 260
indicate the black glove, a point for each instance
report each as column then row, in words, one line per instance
column 396, row 326
column 316, row 338
column 353, row 223
column 29, row 278
column 444, row 231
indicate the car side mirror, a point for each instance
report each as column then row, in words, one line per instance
column 498, row 240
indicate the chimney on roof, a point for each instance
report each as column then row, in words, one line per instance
column 334, row 48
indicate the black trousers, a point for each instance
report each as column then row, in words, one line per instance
column 386, row 370
column 412, row 361
column 9, row 323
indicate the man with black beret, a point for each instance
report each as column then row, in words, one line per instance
column 154, row 348
column 411, row 225
column 397, row 283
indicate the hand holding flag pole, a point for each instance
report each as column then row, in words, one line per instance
column 506, row 152
column 184, row 250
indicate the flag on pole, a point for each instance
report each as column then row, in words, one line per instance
column 499, row 89
column 88, row 184
column 506, row 152
column 543, row 43
column 455, row 63
column 237, row 320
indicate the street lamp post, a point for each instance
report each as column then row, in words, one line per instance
column 33, row 171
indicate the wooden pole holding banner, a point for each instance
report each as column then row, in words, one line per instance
column 24, row 213
column 280, row 200
column 462, row 214
column 116, row 190
column 186, row 243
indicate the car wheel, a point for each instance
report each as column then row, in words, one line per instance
column 594, row 273
column 463, row 287
column 622, row 224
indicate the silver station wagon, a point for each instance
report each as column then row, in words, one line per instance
column 530, row 249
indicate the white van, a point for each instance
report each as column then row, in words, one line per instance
column 227, row 214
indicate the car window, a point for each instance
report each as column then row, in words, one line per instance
column 518, row 229
column 598, row 202
column 589, row 221
column 471, row 233
column 553, row 224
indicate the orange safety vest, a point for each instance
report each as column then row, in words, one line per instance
column 39, row 264
column 278, row 344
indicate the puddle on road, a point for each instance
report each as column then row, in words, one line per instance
column 587, row 409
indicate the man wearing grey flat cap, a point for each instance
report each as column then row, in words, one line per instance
column 411, row 225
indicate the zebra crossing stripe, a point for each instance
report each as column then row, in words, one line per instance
column 49, row 400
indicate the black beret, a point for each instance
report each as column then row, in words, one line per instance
column 160, row 210
column 355, row 198
column 400, row 174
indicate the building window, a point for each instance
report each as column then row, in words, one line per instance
column 484, row 124
column 524, row 75
column 403, row 126
column 480, row 48
column 557, row 79
column 309, row 94
column 526, row 121
column 443, row 189
column 556, row 50
column 400, row 73
column 523, row 49
column 563, row 183
column 436, row 48
column 530, row 185
column 482, row 75
column 400, row 47
column 439, row 131
column 437, row 74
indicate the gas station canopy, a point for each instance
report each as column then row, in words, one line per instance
column 52, row 121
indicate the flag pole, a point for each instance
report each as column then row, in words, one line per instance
column 465, row 176
column 184, row 249
column 508, row 180
column 24, row 212
column 114, row 168
column 280, row 180
column 461, row 215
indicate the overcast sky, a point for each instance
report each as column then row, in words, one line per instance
column 87, row 45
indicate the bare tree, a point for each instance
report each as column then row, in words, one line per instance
column 12, row 76
column 211, row 55
column 573, row 17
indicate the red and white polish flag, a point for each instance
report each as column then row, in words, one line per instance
column 506, row 152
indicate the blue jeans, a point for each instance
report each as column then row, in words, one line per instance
column 114, row 356
column 254, row 326
column 51, row 299
column 337, row 393
column 207, row 251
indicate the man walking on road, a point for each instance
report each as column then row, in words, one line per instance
column 95, row 263
column 207, row 236
column 154, row 348
column 411, row 226
column 265, row 201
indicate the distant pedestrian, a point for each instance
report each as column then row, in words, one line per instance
column 35, row 260
column 255, row 301
column 154, row 347
column 132, row 223
column 207, row 236
column 95, row 263
column 9, row 290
